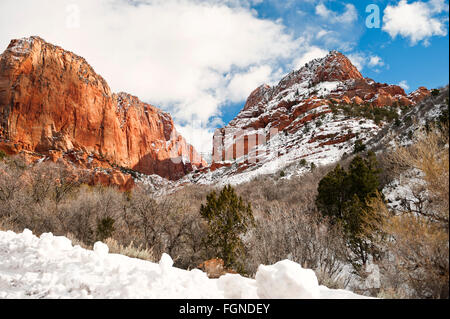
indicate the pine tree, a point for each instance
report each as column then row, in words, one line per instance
column 228, row 218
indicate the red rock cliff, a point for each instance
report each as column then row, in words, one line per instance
column 52, row 100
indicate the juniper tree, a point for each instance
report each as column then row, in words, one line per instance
column 228, row 218
column 358, row 147
column 343, row 195
column 105, row 228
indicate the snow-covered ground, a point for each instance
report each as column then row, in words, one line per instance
column 51, row 267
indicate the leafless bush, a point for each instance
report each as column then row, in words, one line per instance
column 54, row 181
column 306, row 238
column 415, row 240
column 47, row 198
column 131, row 250
column 166, row 225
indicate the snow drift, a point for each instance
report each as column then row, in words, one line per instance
column 51, row 267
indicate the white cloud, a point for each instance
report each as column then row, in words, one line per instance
column 361, row 60
column 322, row 11
column 404, row 85
column 416, row 21
column 242, row 84
column 180, row 55
column 357, row 60
column 309, row 55
column 438, row 6
column 322, row 33
column 348, row 16
column 202, row 135
column 375, row 61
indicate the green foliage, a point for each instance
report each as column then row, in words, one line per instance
column 435, row 92
column 363, row 176
column 331, row 193
column 105, row 228
column 377, row 114
column 282, row 174
column 313, row 167
column 306, row 128
column 342, row 196
column 408, row 120
column 2, row 155
column 303, row 162
column 358, row 147
column 228, row 218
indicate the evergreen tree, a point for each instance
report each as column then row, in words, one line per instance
column 362, row 178
column 343, row 195
column 358, row 147
column 105, row 228
column 332, row 194
column 354, row 219
column 228, row 219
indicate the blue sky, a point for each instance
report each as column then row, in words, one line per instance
column 425, row 63
column 200, row 59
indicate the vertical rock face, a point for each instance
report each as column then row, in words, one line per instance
column 51, row 99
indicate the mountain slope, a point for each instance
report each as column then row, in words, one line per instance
column 54, row 104
column 314, row 115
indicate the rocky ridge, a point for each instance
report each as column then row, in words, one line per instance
column 53, row 106
column 300, row 120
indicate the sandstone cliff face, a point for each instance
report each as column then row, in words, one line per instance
column 51, row 100
column 294, row 120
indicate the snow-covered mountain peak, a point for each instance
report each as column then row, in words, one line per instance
column 315, row 115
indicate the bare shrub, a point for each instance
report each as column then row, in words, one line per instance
column 54, row 181
column 305, row 238
column 12, row 185
column 430, row 155
column 416, row 241
column 416, row 254
column 75, row 241
column 131, row 250
column 166, row 225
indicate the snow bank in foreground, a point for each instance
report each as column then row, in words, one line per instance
column 50, row 267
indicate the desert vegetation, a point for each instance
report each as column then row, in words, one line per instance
column 367, row 111
column 333, row 219
column 414, row 237
column 260, row 222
